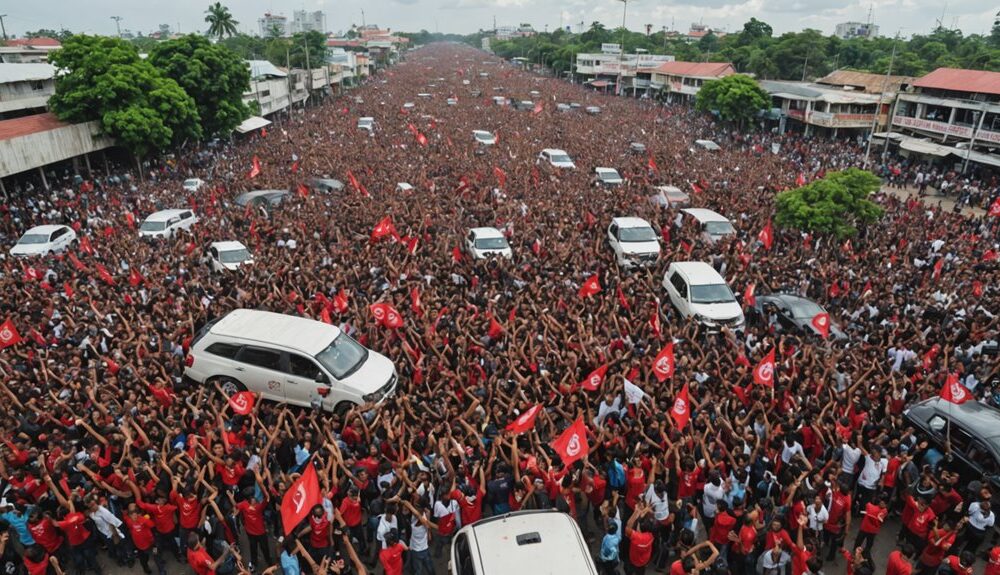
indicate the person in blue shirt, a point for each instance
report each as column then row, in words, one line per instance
column 17, row 516
column 289, row 560
column 608, row 558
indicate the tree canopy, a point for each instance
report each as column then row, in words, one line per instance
column 220, row 21
column 834, row 204
column 737, row 98
column 211, row 74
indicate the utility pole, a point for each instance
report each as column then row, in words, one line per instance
column 975, row 132
column 4, row 28
column 118, row 24
column 878, row 108
column 363, row 24
column 621, row 48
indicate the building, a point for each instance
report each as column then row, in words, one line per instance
column 28, row 50
column 273, row 24
column 848, row 30
column 25, row 89
column 699, row 31
column 33, row 142
column 508, row 32
column 304, row 21
column 682, row 80
column 601, row 70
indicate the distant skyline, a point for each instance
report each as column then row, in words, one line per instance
column 466, row 16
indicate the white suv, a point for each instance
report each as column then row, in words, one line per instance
column 289, row 359
column 165, row 223
column 634, row 242
column 700, row 293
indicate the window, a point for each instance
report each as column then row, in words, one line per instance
column 936, row 423
column 58, row 234
column 260, row 357
column 303, row 367
column 960, row 438
column 679, row 284
column 226, row 350
column 38, row 85
column 186, row 215
column 463, row 556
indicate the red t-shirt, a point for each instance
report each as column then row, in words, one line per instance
column 72, row 526
column 253, row 516
column 471, row 512
column 40, row 568
column 677, row 568
column 141, row 530
column 163, row 516
column 748, row 538
column 891, row 472
column 635, row 485
column 724, row 523
column 993, row 564
column 392, row 559
column 898, row 565
column 840, row 506
column 640, row 547
column 598, row 489
column 44, row 533
column 799, row 558
column 689, row 483
column 189, row 508
column 200, row 561
column 874, row 516
column 319, row 534
column 230, row 475
column 933, row 553
column 350, row 510
column 919, row 522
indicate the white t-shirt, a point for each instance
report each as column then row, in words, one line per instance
column 850, row 459
column 661, row 507
column 711, row 496
column 384, row 526
column 872, row 471
column 817, row 517
column 418, row 535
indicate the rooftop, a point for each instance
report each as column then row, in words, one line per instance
column 816, row 92
column 18, row 127
column 40, row 42
column 865, row 81
column 10, row 73
column 976, row 81
column 697, row 69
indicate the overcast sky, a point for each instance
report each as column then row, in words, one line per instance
column 464, row 16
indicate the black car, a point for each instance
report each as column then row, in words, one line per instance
column 972, row 428
column 795, row 314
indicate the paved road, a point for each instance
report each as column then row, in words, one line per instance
column 932, row 199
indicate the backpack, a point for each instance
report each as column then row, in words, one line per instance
column 616, row 475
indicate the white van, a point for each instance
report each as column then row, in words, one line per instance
column 634, row 242
column 166, row 223
column 289, row 359
column 713, row 225
column 700, row 293
column 542, row 542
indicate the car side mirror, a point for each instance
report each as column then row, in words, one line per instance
column 322, row 378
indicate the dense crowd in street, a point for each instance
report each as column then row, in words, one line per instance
column 111, row 457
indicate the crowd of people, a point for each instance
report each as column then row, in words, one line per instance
column 111, row 457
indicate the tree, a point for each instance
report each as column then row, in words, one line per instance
column 708, row 43
column 755, row 30
column 737, row 98
column 307, row 49
column 104, row 79
column 61, row 35
column 834, row 204
column 215, row 76
column 220, row 21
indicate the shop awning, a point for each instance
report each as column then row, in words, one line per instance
column 988, row 159
column 252, row 123
column 601, row 83
column 925, row 147
column 891, row 135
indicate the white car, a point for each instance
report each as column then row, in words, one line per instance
column 409, row 106
column 193, row 184
column 43, row 240
column 404, row 187
column 708, row 145
column 452, row 102
column 700, row 293
column 288, row 359
column 713, row 225
column 424, row 95
column 228, row 256
column 483, row 243
column 609, row 177
column 672, row 196
column 499, row 100
column 483, row 137
column 367, row 123
column 634, row 242
column 165, row 223
column 557, row 158
column 594, row 110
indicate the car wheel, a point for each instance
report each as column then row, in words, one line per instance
column 343, row 407
column 229, row 385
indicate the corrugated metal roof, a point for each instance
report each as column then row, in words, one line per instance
column 977, row 81
column 870, row 83
column 696, row 69
column 263, row 68
column 10, row 73
column 40, row 41
column 18, row 127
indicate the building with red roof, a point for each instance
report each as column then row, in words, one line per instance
column 683, row 80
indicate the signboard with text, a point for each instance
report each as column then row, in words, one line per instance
column 611, row 48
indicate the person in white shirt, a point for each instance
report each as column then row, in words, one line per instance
column 713, row 492
column 981, row 521
column 817, row 515
column 109, row 527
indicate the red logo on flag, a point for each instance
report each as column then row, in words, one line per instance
column 300, row 498
column 386, row 315
column 681, row 411
column 242, row 402
column 593, row 381
column 821, row 322
column 572, row 445
column 8, row 335
column 590, row 287
column 954, row 391
column 663, row 365
column 525, row 421
column 763, row 374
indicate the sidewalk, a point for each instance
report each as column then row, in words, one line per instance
column 932, row 198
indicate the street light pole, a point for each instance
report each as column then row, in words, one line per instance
column 4, row 28
column 621, row 48
column 977, row 127
column 118, row 25
column 878, row 109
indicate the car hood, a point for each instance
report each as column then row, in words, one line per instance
column 235, row 266
column 726, row 310
column 505, row 252
column 652, row 247
column 372, row 374
column 26, row 250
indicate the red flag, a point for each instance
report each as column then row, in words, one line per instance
column 340, row 301
column 134, row 277
column 263, row 132
column 85, row 246
column 525, row 421
column 105, row 275
column 295, row 167
column 681, row 411
column 384, row 228
column 386, row 315
column 130, row 220
column 572, row 445
column 456, row 255
column 255, row 168
column 589, row 219
column 651, row 164
column 500, row 175
column 989, row 255
column 954, row 391
column 867, row 289
column 696, row 188
column 593, row 381
column 302, row 190
column 411, row 245
column 654, row 320
column 300, row 499
column 664, row 364
column 31, row 273
column 800, row 180
column 821, row 322
column 358, row 187
column 109, row 231
column 766, row 236
column 324, row 315
column 415, row 301
column 977, row 288
column 495, row 329
column 995, row 208
column 749, row 299
column 622, row 300
column 112, row 365
column 538, row 109
column 68, row 290
column 930, row 356
column 536, row 247
column 241, row 402
column 9, row 335
column 77, row 263
column 938, row 266
column 421, row 139
column 39, row 339
column 763, row 374
column 590, row 287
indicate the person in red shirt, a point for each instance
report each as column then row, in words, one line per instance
column 940, row 538
column 44, row 531
column 349, row 514
column 689, row 561
column 141, row 529
column 189, row 508
column 640, row 541
column 961, row 564
column 37, row 561
column 391, row 556
column 198, row 557
column 993, row 562
column 723, row 525
column 899, row 560
column 839, row 521
column 874, row 515
column 918, row 522
column 252, row 512
column 742, row 543
column 164, row 519
column 320, row 533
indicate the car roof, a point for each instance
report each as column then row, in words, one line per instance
column 487, row 232
column 982, row 420
column 366, row 119
column 44, row 229
column 487, row 132
column 705, row 215
column 606, row 171
column 228, row 245
column 165, row 214
column 630, row 222
column 307, row 335
column 698, row 273
column 551, row 151
column 669, row 190
column 500, row 552
column 193, row 180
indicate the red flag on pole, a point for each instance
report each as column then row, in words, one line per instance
column 590, row 287
column 241, row 402
column 821, row 322
column 938, row 266
column 456, row 255
column 651, row 164
column 303, row 190
column 300, row 498
column 800, row 180
column 495, row 330
column 255, row 168
column 340, row 301
column 134, row 277
column 105, row 274
column 654, row 320
column 664, row 364
column 572, row 445
column 622, row 299
column 749, row 299
column 681, row 411
column 500, row 175
column 386, row 315
column 954, row 391
column 525, row 421
column 763, row 374
column 415, row 301
column 85, row 246
column 593, row 381
column 9, row 335
column 766, row 236
column 384, row 228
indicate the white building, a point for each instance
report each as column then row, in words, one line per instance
column 25, row 88
column 848, row 30
column 304, row 21
column 274, row 22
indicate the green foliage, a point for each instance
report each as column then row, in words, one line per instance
column 220, row 21
column 833, row 204
column 737, row 98
column 105, row 80
column 61, row 35
column 211, row 74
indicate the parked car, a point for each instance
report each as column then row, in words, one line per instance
column 484, row 138
column 404, row 187
column 563, row 107
column 288, row 359
column 193, row 184
column 483, row 243
column 522, row 542
column 43, row 240
column 228, row 255
column 713, row 225
column 637, row 148
column 264, row 198
column 707, row 145
column 524, row 105
column 633, row 241
column 593, row 110
column 500, row 100
column 327, row 184
column 700, row 293
column 165, row 223
column 671, row 196
column 367, row 123
column 795, row 313
column 972, row 430
column 556, row 158
column 452, row 101
column 409, row 105
column 608, row 177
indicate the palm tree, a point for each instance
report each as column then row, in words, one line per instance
column 220, row 21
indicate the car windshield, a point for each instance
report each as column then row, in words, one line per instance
column 804, row 308
column 711, row 293
column 609, row 176
column 190, row 182
column 719, row 228
column 234, row 256
column 484, row 136
column 643, row 234
column 560, row 158
column 148, row 226
column 343, row 357
column 491, row 244
column 29, row 239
